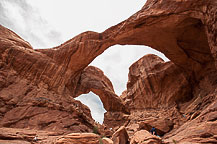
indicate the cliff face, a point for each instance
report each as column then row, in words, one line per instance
column 161, row 95
column 26, row 105
column 37, row 87
column 155, row 84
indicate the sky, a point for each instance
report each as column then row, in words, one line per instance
column 48, row 23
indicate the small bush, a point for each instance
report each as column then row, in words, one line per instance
column 100, row 141
column 174, row 141
column 95, row 130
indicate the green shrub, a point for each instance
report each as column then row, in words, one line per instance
column 95, row 130
column 100, row 141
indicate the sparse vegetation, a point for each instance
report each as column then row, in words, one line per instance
column 95, row 130
column 100, row 141
column 174, row 141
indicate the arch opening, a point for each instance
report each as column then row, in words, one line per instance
column 114, row 63
column 95, row 105
column 117, row 59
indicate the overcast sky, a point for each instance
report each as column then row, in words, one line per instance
column 48, row 23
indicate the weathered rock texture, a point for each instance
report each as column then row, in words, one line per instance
column 144, row 137
column 120, row 136
column 107, row 141
column 155, row 84
column 202, row 126
column 93, row 79
column 26, row 136
column 78, row 138
column 37, row 87
column 26, row 101
column 180, row 111
column 25, row 105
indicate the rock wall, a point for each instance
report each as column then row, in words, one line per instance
column 154, row 83
column 26, row 105
column 38, row 86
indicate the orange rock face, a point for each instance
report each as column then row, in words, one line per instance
column 155, row 84
column 202, row 129
column 144, row 137
column 26, row 136
column 120, row 136
column 107, row 141
column 84, row 138
column 38, row 87
column 29, row 101
column 93, row 79
column 25, row 105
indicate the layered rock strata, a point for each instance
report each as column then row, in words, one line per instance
column 161, row 95
column 155, row 84
column 38, row 86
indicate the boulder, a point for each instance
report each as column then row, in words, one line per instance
column 144, row 137
column 107, row 141
column 120, row 136
column 162, row 125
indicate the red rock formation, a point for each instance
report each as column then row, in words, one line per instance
column 93, row 79
column 202, row 129
column 78, row 138
column 38, row 86
column 115, row 119
column 25, row 104
column 120, row 136
column 162, row 125
column 107, row 141
column 176, row 28
column 169, row 107
column 153, row 84
column 38, row 105
column 25, row 136
column 144, row 137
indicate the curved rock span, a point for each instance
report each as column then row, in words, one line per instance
column 93, row 79
column 38, row 87
column 183, row 30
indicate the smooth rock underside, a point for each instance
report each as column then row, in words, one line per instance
column 178, row 98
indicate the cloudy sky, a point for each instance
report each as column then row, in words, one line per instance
column 48, row 23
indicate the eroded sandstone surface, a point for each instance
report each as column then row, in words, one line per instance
column 38, row 87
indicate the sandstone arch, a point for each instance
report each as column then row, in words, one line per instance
column 93, row 79
column 172, row 27
column 44, row 82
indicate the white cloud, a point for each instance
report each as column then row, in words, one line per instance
column 25, row 20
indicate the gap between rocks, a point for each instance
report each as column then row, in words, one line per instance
column 115, row 63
